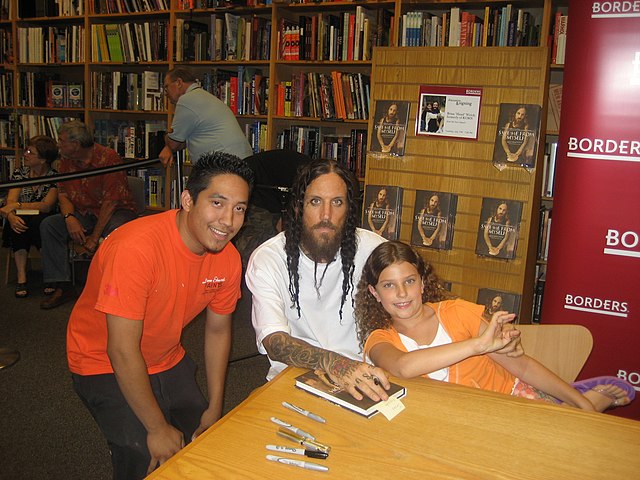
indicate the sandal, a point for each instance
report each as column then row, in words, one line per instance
column 49, row 289
column 21, row 290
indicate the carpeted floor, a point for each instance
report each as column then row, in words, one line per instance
column 45, row 431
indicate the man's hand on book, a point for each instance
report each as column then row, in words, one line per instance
column 359, row 378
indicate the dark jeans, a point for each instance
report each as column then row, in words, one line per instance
column 177, row 394
column 55, row 240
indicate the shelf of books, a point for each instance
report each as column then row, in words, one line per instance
column 297, row 73
column 557, row 45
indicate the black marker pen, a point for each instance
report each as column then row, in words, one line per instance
column 298, row 451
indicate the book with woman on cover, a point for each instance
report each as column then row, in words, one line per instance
column 434, row 216
column 390, row 127
column 498, row 228
column 318, row 383
column 517, row 135
column 382, row 210
column 497, row 300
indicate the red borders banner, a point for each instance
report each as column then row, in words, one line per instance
column 593, row 275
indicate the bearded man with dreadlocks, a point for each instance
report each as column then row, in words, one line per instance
column 303, row 280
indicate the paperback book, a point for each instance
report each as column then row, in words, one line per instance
column 318, row 383
column 496, row 300
column 498, row 229
column 434, row 216
column 382, row 210
column 390, row 127
column 517, row 135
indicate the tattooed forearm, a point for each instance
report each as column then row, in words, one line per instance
column 284, row 348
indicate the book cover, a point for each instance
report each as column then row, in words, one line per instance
column 390, row 127
column 382, row 210
column 75, row 95
column 318, row 383
column 497, row 300
column 498, row 228
column 58, row 95
column 517, row 135
column 555, row 104
column 434, row 216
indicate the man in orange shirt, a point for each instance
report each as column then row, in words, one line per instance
column 147, row 281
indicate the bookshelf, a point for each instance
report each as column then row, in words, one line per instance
column 322, row 56
column 556, row 78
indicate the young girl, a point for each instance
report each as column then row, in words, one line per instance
column 408, row 327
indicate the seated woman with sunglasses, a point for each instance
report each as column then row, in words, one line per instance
column 26, row 207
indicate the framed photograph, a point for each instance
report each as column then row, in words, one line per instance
column 449, row 111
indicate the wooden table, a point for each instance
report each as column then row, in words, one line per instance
column 445, row 432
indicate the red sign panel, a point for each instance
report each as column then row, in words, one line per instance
column 593, row 275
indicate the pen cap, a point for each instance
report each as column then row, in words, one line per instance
column 316, row 454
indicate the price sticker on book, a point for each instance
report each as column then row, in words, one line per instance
column 391, row 407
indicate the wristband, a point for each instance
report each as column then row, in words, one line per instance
column 67, row 215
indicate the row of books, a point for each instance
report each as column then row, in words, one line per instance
column 32, row 125
column 6, row 9
column 559, row 42
column 132, row 139
column 348, row 150
column 549, row 168
column 256, row 133
column 117, row 90
column 501, row 26
column 130, row 42
column 46, row 90
column 244, row 90
column 433, row 220
column 7, row 133
column 63, row 44
column 50, row 8
column 6, row 46
column 225, row 37
column 201, row 4
column 129, row 6
column 7, row 167
column 345, row 36
column 334, row 95
column 154, row 185
column 6, row 89
column 544, row 232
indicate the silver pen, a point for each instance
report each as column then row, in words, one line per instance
column 290, row 427
column 305, row 442
column 304, row 412
column 298, row 463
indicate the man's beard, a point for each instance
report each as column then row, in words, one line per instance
column 324, row 248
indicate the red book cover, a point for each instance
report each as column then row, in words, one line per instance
column 233, row 96
column 352, row 29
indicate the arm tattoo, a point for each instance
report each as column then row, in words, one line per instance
column 284, row 348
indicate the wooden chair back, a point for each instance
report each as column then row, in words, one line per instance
column 563, row 349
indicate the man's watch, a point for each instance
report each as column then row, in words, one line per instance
column 67, row 215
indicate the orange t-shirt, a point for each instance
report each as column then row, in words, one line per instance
column 144, row 272
column 461, row 320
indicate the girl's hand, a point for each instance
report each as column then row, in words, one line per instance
column 495, row 337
